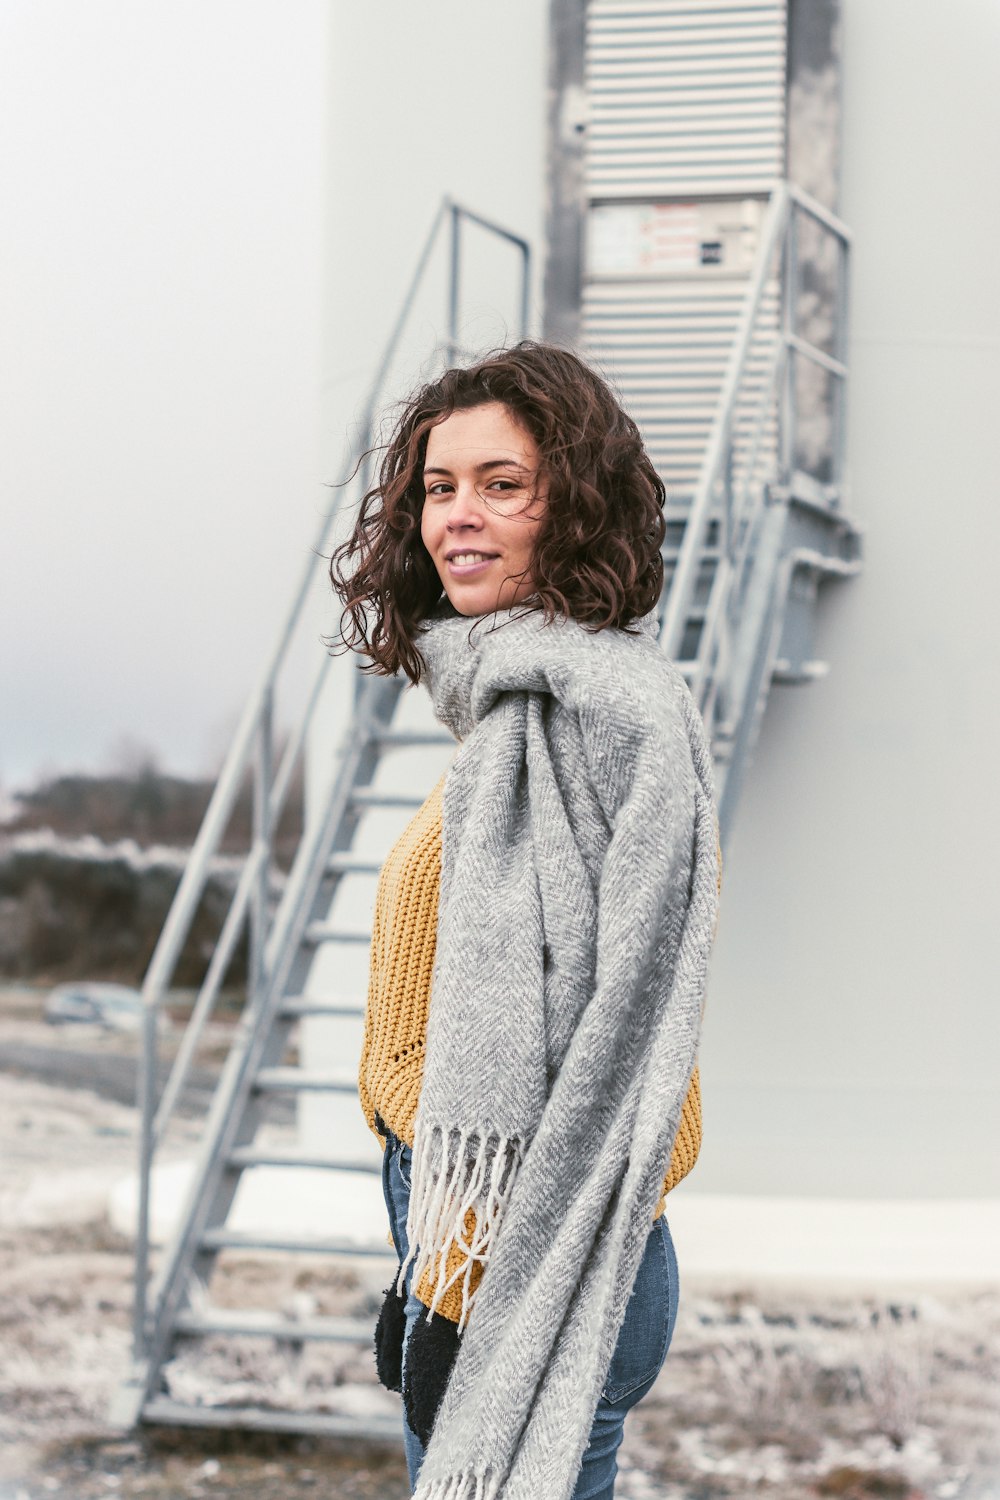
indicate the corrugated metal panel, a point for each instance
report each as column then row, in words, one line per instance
column 685, row 104
column 684, row 97
column 665, row 346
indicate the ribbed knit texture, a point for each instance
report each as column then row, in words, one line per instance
column 404, row 940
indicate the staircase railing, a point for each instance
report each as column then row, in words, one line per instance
column 751, row 454
column 733, row 497
column 253, row 750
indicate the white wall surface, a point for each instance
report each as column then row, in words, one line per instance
column 161, row 174
column 852, row 1033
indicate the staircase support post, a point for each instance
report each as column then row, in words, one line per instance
column 788, row 404
column 263, row 777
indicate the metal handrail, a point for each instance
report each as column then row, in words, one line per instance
column 253, row 737
column 816, row 210
column 232, row 926
column 740, row 515
column 733, row 562
column 684, row 580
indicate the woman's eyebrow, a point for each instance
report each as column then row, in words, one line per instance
column 491, row 463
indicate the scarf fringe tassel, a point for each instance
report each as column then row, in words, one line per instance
column 462, row 1486
column 446, row 1182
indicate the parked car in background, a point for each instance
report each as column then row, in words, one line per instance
column 116, row 1007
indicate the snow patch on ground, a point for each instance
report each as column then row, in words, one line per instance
column 64, row 1152
column 310, row 1202
column 91, row 850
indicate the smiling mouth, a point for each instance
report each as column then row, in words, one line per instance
column 464, row 560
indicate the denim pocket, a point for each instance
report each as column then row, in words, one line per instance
column 404, row 1163
column 645, row 1334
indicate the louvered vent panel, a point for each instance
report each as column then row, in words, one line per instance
column 684, row 97
column 685, row 105
column 665, row 345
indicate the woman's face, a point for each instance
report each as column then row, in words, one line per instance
column 481, row 511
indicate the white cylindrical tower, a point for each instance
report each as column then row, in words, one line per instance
column 852, row 1032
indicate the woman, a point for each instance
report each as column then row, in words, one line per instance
column 542, row 928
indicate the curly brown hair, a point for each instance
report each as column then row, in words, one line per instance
column 597, row 555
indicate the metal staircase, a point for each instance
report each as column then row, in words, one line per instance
column 743, row 561
column 762, row 531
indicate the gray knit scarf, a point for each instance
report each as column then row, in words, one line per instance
column 577, row 912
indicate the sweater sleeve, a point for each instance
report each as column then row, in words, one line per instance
column 364, row 1092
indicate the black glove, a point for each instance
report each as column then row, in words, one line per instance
column 389, row 1331
column 430, row 1355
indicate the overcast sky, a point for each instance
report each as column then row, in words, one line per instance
column 161, row 174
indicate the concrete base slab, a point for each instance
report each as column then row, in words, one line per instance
column 853, row 1243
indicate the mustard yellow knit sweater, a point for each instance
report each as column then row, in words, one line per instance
column 404, row 936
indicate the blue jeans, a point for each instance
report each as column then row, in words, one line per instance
column 639, row 1353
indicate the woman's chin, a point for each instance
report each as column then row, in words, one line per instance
column 470, row 608
column 468, row 601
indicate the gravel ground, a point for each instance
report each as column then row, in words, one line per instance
column 767, row 1391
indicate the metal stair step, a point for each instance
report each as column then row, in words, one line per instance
column 707, row 554
column 806, row 490
column 308, row 1005
column 249, row 1323
column 303, row 1081
column 390, row 738
column 367, row 796
column 292, row 1244
column 329, row 932
column 346, row 862
column 168, row 1413
column 804, row 671
column 291, row 1156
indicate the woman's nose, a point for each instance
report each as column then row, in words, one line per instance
column 466, row 507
